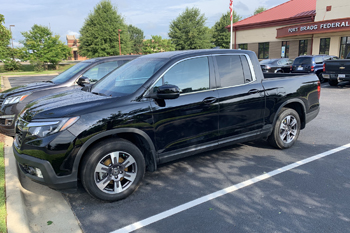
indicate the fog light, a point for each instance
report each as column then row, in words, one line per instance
column 8, row 122
column 38, row 173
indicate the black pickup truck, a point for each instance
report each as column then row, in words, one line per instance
column 337, row 71
column 155, row 109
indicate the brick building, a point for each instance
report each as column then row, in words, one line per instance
column 73, row 43
column 297, row 27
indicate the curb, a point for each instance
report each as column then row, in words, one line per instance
column 17, row 220
column 31, row 209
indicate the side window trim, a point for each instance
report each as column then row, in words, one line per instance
column 250, row 66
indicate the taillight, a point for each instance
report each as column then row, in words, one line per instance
column 312, row 68
column 291, row 68
column 324, row 67
column 319, row 89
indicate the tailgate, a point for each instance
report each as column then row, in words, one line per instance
column 337, row 67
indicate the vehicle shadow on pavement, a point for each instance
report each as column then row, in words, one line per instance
column 181, row 181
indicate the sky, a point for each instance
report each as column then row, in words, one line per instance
column 66, row 17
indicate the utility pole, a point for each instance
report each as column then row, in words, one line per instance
column 120, row 51
column 11, row 33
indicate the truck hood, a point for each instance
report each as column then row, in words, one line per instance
column 25, row 89
column 63, row 104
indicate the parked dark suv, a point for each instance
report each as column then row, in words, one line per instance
column 311, row 64
column 12, row 101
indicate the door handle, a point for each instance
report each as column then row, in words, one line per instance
column 253, row 91
column 209, row 100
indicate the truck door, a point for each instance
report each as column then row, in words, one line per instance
column 191, row 119
column 241, row 97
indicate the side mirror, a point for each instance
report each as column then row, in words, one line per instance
column 167, row 91
column 82, row 81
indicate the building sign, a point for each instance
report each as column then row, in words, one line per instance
column 315, row 28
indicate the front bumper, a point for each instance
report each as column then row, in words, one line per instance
column 49, row 177
column 8, row 130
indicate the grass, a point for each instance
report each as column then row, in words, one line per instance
column 2, row 190
column 27, row 69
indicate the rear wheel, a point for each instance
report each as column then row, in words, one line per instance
column 286, row 129
column 112, row 170
column 333, row 82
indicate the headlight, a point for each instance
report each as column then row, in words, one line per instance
column 42, row 128
column 14, row 99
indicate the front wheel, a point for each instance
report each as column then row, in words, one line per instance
column 112, row 170
column 286, row 129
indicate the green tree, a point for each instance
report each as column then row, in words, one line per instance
column 221, row 36
column 10, row 62
column 99, row 34
column 5, row 36
column 188, row 30
column 157, row 44
column 259, row 10
column 136, row 38
column 40, row 46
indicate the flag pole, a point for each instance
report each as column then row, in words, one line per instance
column 231, row 11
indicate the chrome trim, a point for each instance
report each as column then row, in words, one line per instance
column 7, row 116
column 250, row 64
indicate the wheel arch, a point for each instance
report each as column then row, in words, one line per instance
column 296, row 105
column 136, row 136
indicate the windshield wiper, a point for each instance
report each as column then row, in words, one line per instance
column 96, row 93
column 48, row 81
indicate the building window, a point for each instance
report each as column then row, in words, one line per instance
column 302, row 47
column 243, row 46
column 324, row 45
column 263, row 50
column 285, row 49
column 344, row 47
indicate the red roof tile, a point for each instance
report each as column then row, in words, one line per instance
column 287, row 10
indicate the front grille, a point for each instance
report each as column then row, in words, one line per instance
column 21, row 130
column 19, row 138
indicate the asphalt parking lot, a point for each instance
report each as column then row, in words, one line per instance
column 311, row 197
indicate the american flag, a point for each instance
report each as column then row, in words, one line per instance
column 231, row 9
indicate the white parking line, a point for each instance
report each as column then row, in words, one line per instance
column 222, row 192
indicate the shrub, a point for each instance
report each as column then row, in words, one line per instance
column 11, row 65
column 38, row 65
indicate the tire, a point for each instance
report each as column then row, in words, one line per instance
column 320, row 77
column 112, row 170
column 286, row 130
column 333, row 82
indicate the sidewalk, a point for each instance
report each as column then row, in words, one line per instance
column 36, row 208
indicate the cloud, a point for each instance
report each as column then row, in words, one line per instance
column 76, row 34
column 17, row 44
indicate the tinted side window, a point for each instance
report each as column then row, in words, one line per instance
column 246, row 70
column 190, row 75
column 101, row 70
column 230, row 70
column 319, row 59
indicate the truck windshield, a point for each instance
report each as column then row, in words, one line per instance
column 128, row 78
column 68, row 74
